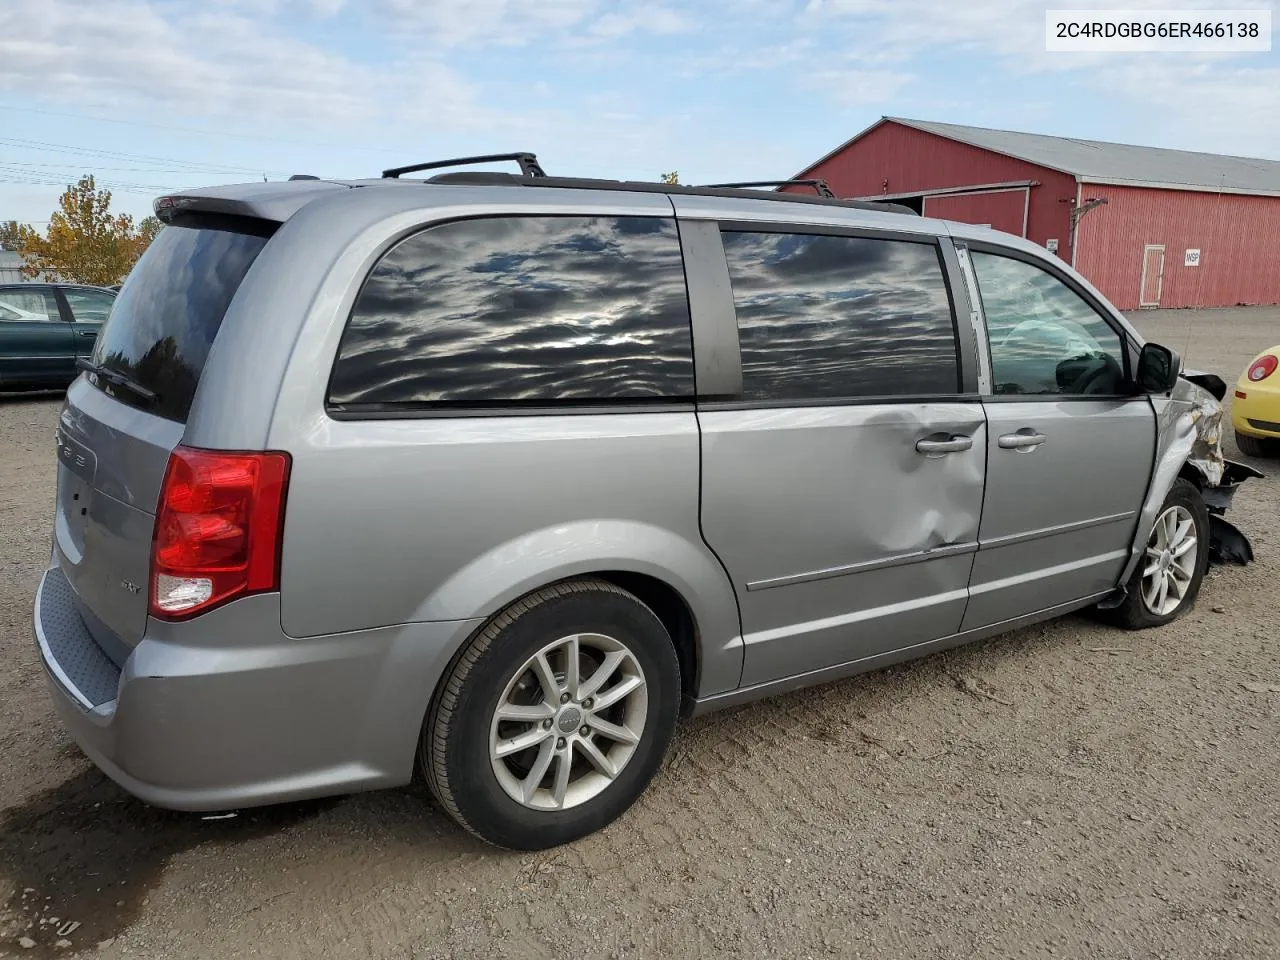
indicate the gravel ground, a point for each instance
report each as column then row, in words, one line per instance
column 1066, row 790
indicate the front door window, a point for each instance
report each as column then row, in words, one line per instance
column 1045, row 339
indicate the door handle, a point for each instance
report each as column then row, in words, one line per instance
column 950, row 445
column 87, row 333
column 1021, row 441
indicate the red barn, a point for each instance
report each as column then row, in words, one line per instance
column 1149, row 227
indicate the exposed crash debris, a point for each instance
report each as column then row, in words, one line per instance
column 1203, row 416
column 1193, row 419
column 1226, row 543
column 1211, row 382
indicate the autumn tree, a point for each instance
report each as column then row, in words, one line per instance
column 85, row 242
column 9, row 234
column 147, row 231
column 672, row 177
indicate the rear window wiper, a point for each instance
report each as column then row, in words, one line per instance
column 116, row 378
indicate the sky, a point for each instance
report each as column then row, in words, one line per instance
column 153, row 96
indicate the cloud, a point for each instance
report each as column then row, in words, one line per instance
column 1215, row 107
column 661, row 21
column 1221, row 100
column 227, row 63
column 599, row 87
column 212, row 63
column 851, row 87
column 453, row 23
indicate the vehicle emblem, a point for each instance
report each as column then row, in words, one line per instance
column 76, row 456
column 569, row 720
column 130, row 586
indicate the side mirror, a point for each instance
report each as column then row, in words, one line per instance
column 1158, row 369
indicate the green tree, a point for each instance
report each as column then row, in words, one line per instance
column 85, row 242
column 672, row 177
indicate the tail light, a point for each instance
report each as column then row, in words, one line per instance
column 218, row 530
column 1264, row 367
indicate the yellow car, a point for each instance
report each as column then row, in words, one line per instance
column 1255, row 410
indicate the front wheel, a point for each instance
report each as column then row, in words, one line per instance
column 554, row 718
column 1169, row 573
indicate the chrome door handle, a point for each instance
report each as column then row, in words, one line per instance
column 1021, row 441
column 87, row 333
column 951, row 445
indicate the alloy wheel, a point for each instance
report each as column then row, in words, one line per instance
column 1169, row 564
column 568, row 722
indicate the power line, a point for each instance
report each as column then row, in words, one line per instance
column 49, row 176
column 46, row 146
column 200, row 130
column 113, row 185
column 80, row 166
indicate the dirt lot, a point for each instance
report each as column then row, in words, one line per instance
column 1066, row 790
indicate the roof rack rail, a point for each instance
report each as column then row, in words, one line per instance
column 819, row 186
column 304, row 176
column 529, row 166
column 491, row 178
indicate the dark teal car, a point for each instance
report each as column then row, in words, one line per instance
column 44, row 327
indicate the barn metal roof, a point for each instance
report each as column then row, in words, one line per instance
column 1115, row 163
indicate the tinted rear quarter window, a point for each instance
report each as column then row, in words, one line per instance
column 521, row 311
column 168, row 312
column 828, row 317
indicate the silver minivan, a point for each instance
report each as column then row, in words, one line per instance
column 497, row 476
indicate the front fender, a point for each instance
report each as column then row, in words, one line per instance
column 1188, row 436
column 495, row 579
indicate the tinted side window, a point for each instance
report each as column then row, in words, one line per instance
column 824, row 317
column 34, row 304
column 89, row 306
column 522, row 310
column 1045, row 339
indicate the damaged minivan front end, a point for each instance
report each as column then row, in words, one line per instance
column 1189, row 425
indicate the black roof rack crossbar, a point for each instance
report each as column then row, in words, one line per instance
column 529, row 166
column 819, row 186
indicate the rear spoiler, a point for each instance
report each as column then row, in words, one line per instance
column 275, row 202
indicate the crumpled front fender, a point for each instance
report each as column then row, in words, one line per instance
column 1189, row 435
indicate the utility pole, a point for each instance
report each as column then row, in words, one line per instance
column 1077, row 213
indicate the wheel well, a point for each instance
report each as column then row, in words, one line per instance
column 1192, row 475
column 675, row 615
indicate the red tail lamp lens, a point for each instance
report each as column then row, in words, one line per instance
column 218, row 530
column 1263, row 368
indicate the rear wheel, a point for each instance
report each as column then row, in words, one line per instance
column 1169, row 573
column 1257, row 446
column 554, row 718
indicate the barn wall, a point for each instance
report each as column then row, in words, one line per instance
column 1238, row 236
column 892, row 158
column 1003, row 210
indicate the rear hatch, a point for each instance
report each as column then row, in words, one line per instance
column 119, row 425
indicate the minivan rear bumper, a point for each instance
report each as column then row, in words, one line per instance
column 226, row 711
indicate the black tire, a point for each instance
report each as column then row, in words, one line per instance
column 455, row 747
column 1134, row 614
column 1259, row 447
